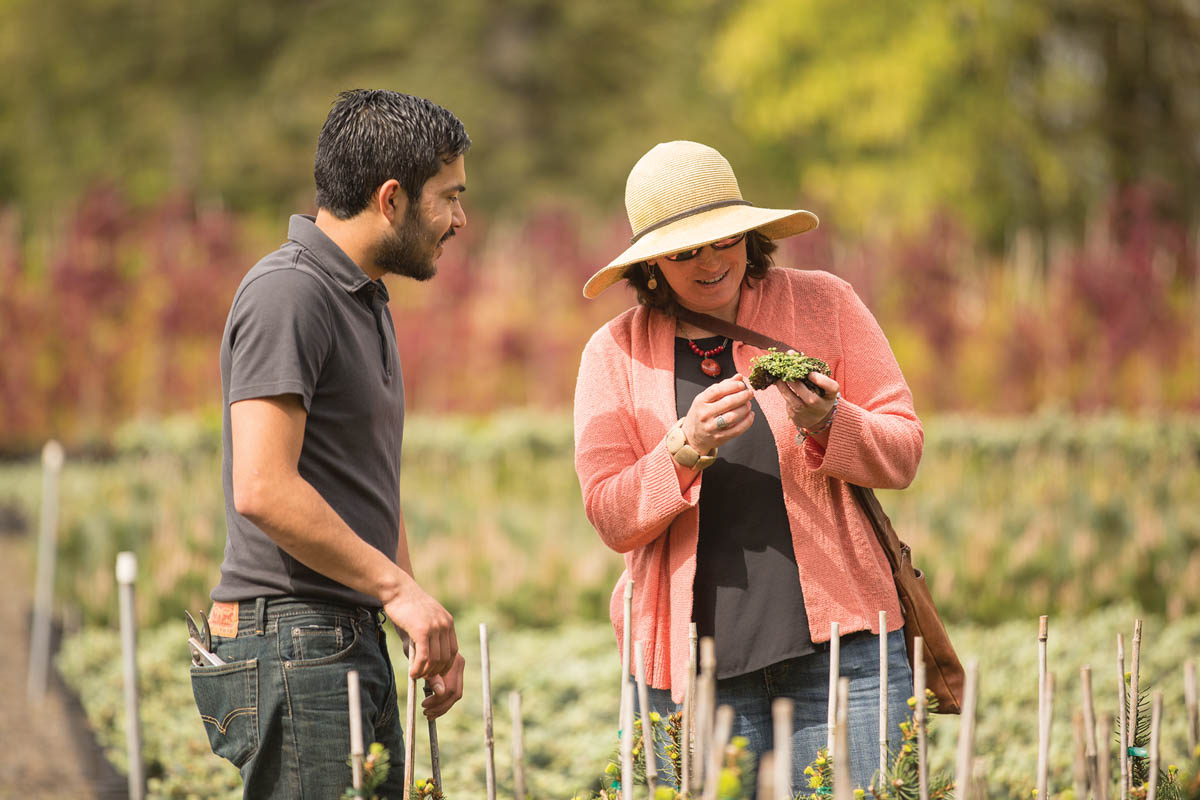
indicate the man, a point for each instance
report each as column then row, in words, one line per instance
column 316, row 558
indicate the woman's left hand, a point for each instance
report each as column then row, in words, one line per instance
column 806, row 408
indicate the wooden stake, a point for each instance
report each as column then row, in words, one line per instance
column 126, row 576
column 720, row 739
column 1123, row 719
column 1155, row 719
column 647, row 725
column 919, row 716
column 1135, row 670
column 883, row 695
column 356, row 733
column 627, row 742
column 1104, row 757
column 1043, row 743
column 47, row 549
column 767, row 777
column 966, row 731
column 1089, row 728
column 689, row 717
column 842, row 783
column 489, row 742
column 979, row 782
column 410, row 733
column 782, row 710
column 706, row 701
column 1189, row 700
column 435, row 752
column 834, row 673
column 518, row 746
column 1079, row 762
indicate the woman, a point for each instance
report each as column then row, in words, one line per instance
column 760, row 544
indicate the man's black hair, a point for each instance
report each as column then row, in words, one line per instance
column 372, row 136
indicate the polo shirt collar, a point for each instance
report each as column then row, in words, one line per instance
column 303, row 230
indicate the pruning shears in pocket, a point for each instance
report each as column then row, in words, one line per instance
column 200, row 642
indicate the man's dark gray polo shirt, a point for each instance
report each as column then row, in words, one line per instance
column 307, row 321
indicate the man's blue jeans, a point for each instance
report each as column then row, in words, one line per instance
column 279, row 710
column 806, row 681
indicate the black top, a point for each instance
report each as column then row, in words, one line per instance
column 747, row 590
column 307, row 321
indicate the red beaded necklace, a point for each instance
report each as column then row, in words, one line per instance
column 708, row 365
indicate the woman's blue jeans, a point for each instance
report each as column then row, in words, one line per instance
column 806, row 681
column 278, row 709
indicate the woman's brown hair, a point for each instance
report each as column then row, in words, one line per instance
column 758, row 260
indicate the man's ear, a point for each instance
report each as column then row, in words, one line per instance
column 391, row 201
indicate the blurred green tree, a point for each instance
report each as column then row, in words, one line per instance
column 1018, row 115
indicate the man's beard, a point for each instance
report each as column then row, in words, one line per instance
column 410, row 252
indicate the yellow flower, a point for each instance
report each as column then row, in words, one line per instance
column 809, row 771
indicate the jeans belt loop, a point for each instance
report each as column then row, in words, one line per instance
column 260, row 616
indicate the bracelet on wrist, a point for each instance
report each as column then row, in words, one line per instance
column 684, row 454
column 821, row 427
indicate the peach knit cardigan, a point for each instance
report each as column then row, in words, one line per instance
column 625, row 403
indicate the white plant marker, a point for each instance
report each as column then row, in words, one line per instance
column 1123, row 720
column 1155, row 720
column 518, row 746
column 842, row 790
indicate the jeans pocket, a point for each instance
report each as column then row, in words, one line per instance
column 313, row 642
column 227, row 698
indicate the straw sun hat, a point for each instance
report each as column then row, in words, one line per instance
column 682, row 195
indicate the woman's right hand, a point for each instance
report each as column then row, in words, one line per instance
column 730, row 400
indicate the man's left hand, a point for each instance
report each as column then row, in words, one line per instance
column 447, row 689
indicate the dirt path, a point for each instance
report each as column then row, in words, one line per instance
column 38, row 754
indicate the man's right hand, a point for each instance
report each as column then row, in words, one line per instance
column 429, row 627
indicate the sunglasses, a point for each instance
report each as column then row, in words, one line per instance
column 719, row 244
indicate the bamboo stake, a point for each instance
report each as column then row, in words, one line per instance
column 126, row 576
column 835, row 650
column 842, row 789
column 1134, row 679
column 1089, row 728
column 1043, row 734
column 979, row 782
column 767, row 777
column 1155, row 719
column 966, row 731
column 410, row 734
column 1079, row 762
column 782, row 709
column 518, row 746
column 919, row 715
column 706, row 702
column 883, row 695
column 1123, row 720
column 647, row 725
column 356, row 733
column 489, row 742
column 1189, row 699
column 1049, row 724
column 627, row 742
column 1104, row 755
column 435, row 752
column 689, row 717
column 720, row 739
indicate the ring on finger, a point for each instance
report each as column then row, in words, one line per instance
column 721, row 423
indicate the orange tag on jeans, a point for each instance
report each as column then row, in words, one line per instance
column 223, row 620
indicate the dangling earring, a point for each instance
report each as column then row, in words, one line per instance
column 652, row 284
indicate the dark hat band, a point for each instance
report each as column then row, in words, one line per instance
column 689, row 213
